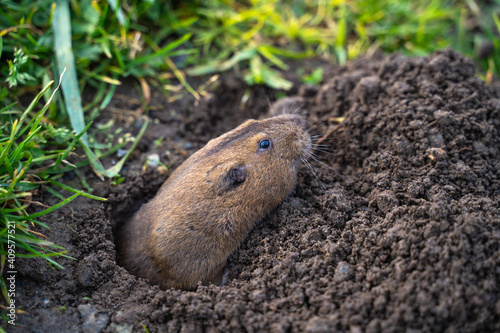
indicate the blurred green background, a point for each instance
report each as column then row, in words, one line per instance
column 165, row 40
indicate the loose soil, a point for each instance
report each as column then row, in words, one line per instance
column 399, row 231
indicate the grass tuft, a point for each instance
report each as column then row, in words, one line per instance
column 26, row 169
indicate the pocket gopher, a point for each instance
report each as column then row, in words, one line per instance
column 210, row 203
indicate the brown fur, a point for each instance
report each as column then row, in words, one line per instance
column 203, row 211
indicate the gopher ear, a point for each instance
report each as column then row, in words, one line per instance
column 237, row 175
column 223, row 178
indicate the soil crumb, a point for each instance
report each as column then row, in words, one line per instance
column 399, row 232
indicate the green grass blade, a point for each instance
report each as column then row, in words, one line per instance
column 36, row 120
column 15, row 218
column 340, row 41
column 94, row 161
column 7, row 107
column 5, row 295
column 35, row 253
column 109, row 95
column 24, row 186
column 55, row 193
column 247, row 54
column 86, row 162
column 20, row 174
column 61, row 26
column 274, row 79
column 24, row 236
column 9, row 167
column 51, row 209
column 70, row 147
column 118, row 11
column 115, row 170
column 162, row 52
column 268, row 53
column 5, row 150
column 496, row 44
column 118, row 57
column 19, row 151
column 66, row 187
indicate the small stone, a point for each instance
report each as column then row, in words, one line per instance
column 84, row 271
column 386, row 201
column 355, row 329
column 319, row 325
column 301, row 269
column 93, row 321
column 121, row 152
column 153, row 160
column 257, row 296
column 312, row 236
column 439, row 63
column 298, row 297
column 435, row 154
column 295, row 203
column 122, row 328
column 191, row 327
column 280, row 327
column 343, row 272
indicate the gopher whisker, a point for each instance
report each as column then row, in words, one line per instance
column 309, row 166
column 323, row 150
column 297, row 108
column 312, row 127
column 315, row 158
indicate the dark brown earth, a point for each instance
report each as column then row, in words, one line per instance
column 403, row 235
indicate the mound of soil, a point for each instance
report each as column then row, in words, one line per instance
column 399, row 232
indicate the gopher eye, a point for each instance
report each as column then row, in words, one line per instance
column 264, row 144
